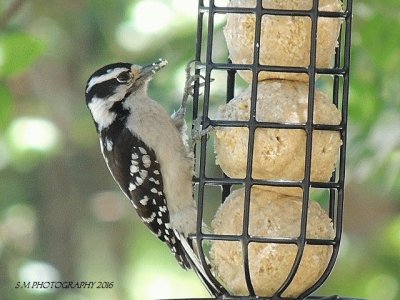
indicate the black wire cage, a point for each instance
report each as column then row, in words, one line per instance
column 213, row 186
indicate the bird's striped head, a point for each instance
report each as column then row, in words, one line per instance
column 110, row 85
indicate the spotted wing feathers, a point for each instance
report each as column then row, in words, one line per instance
column 137, row 171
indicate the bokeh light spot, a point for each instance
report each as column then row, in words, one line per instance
column 151, row 16
column 33, row 134
column 34, row 271
column 129, row 39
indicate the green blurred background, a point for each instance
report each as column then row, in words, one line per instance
column 62, row 216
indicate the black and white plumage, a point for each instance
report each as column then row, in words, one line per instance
column 144, row 151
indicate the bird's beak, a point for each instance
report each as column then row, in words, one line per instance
column 150, row 70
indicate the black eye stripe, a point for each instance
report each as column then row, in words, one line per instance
column 103, row 89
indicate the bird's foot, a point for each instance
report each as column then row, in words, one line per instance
column 198, row 131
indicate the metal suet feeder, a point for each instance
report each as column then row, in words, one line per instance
column 294, row 58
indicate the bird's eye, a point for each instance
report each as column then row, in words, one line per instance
column 124, row 77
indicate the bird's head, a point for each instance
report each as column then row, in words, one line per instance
column 110, row 85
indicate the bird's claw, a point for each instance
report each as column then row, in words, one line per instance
column 191, row 82
column 198, row 131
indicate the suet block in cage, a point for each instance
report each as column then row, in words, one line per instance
column 278, row 140
column 284, row 40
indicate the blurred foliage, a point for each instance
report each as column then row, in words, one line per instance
column 61, row 215
column 18, row 51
